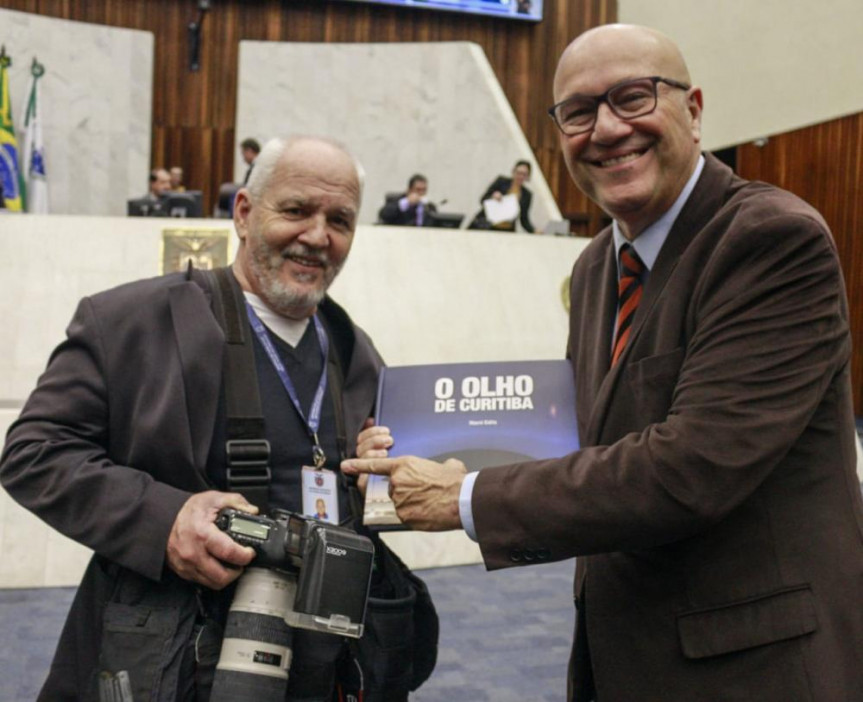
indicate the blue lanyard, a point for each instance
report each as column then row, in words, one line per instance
column 313, row 423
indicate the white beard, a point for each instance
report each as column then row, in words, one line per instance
column 281, row 296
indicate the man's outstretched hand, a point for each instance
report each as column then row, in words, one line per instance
column 425, row 493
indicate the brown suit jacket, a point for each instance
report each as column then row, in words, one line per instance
column 714, row 505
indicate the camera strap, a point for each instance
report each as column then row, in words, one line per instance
column 248, row 452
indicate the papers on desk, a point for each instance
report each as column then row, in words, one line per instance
column 504, row 210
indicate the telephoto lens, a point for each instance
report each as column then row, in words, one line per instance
column 256, row 651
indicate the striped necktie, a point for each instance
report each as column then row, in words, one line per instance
column 629, row 289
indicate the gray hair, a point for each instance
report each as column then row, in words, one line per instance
column 272, row 153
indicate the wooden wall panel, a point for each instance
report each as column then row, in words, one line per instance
column 194, row 113
column 823, row 164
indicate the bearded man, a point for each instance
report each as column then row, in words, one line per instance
column 122, row 445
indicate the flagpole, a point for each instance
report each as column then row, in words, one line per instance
column 33, row 146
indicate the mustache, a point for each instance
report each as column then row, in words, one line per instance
column 300, row 250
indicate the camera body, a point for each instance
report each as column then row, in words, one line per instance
column 332, row 566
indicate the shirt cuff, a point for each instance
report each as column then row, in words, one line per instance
column 465, row 512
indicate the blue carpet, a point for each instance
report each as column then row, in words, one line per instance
column 31, row 621
column 504, row 635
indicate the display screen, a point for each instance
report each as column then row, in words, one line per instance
column 530, row 10
column 247, row 527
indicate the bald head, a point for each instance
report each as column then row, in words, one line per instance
column 652, row 49
column 640, row 142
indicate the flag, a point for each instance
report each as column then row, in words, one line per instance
column 10, row 173
column 33, row 163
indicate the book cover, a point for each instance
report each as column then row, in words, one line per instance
column 484, row 414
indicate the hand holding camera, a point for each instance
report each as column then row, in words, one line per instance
column 306, row 574
column 197, row 550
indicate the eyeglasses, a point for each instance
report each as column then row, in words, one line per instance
column 628, row 100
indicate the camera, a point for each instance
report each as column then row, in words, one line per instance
column 307, row 574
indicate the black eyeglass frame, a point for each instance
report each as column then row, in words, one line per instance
column 599, row 99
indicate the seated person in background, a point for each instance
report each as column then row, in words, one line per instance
column 176, row 174
column 160, row 185
column 412, row 209
column 508, row 186
column 152, row 203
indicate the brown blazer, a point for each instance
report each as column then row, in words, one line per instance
column 714, row 507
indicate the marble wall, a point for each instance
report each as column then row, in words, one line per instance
column 766, row 67
column 96, row 107
column 424, row 295
column 434, row 108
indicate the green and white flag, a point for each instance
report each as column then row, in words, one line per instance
column 32, row 147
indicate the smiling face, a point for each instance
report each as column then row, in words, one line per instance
column 634, row 169
column 295, row 236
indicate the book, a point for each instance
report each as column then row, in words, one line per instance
column 484, row 414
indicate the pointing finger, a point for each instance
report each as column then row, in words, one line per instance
column 377, row 466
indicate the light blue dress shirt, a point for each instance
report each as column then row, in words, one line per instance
column 404, row 204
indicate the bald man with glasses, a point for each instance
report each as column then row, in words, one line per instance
column 714, row 507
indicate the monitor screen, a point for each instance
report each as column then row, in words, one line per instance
column 143, row 207
column 530, row 10
column 446, row 220
column 183, row 204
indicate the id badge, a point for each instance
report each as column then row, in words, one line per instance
column 320, row 496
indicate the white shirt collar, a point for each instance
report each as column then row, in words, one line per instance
column 288, row 330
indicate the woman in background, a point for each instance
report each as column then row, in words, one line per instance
column 508, row 186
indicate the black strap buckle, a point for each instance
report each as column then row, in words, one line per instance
column 248, row 463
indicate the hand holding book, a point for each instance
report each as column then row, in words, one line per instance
column 483, row 414
column 373, row 441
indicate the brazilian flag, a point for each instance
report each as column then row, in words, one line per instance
column 11, row 177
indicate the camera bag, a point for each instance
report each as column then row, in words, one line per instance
column 398, row 650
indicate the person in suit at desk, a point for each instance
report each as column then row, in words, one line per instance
column 159, row 185
column 714, row 507
column 501, row 186
column 412, row 209
column 152, row 203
